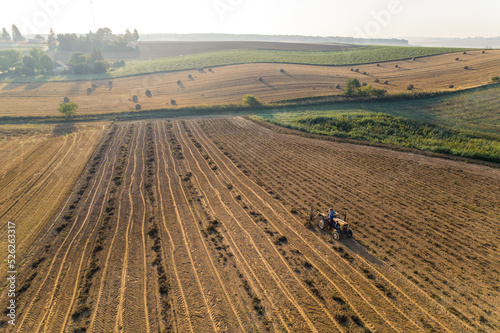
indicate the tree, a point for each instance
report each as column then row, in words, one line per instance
column 16, row 34
column 68, row 109
column 29, row 65
column 14, row 56
column 136, row 35
column 4, row 63
column 47, row 64
column 96, row 54
column 351, row 87
column 79, row 63
column 39, row 37
column 37, row 54
column 52, row 40
column 251, row 100
column 128, row 36
column 103, row 33
column 5, row 35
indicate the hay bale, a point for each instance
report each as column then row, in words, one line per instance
column 352, row 69
column 451, row 86
column 397, row 66
column 190, row 77
column 377, row 80
column 357, row 70
column 457, row 59
column 66, row 100
column 110, row 84
column 364, row 73
column 179, row 82
column 414, row 59
column 466, row 67
column 135, row 99
column 148, row 93
column 173, row 102
column 364, row 84
column 138, row 107
column 261, row 79
column 465, row 52
column 337, row 86
column 89, row 91
column 483, row 52
column 210, row 70
column 386, row 82
column 410, row 87
column 94, row 86
column 378, row 65
column 282, row 70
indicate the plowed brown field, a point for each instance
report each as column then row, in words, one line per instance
column 202, row 226
column 228, row 84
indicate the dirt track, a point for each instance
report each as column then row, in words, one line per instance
column 228, row 84
column 199, row 226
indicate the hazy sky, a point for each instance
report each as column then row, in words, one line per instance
column 362, row 18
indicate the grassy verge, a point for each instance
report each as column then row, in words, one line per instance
column 352, row 56
column 392, row 130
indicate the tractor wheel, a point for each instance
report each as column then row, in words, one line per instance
column 349, row 233
column 321, row 222
column 336, row 235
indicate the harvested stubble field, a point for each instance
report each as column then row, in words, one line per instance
column 202, row 226
column 39, row 166
column 228, row 84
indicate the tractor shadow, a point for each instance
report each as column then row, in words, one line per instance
column 360, row 250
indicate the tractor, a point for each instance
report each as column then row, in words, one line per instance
column 339, row 227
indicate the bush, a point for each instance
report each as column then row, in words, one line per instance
column 377, row 80
column 466, row 67
column 451, row 86
column 66, row 100
column 101, row 66
column 410, row 87
column 495, row 79
column 89, row 91
column 173, row 102
column 251, row 101
column 135, row 99
column 138, row 107
column 148, row 93
column 337, row 86
column 94, row 86
column 68, row 109
column 119, row 63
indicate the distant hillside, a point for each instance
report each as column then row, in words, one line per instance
column 477, row 42
column 271, row 38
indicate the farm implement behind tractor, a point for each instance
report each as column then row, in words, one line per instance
column 339, row 227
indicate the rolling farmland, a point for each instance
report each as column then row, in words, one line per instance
column 228, row 84
column 203, row 225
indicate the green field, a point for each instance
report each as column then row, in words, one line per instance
column 331, row 58
column 464, row 124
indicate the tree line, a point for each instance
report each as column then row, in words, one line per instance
column 86, row 59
